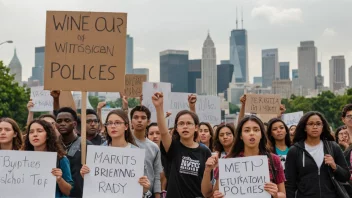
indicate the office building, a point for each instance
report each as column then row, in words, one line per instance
column 284, row 70
column 38, row 69
column 209, row 68
column 337, row 73
column 15, row 67
column 270, row 66
column 174, row 69
column 129, row 55
column 144, row 71
column 194, row 73
column 225, row 72
column 307, row 66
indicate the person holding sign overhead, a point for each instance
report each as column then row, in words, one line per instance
column 187, row 157
column 41, row 136
column 119, row 135
column 10, row 135
column 250, row 140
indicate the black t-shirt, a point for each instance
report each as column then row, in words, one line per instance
column 74, row 156
column 187, row 169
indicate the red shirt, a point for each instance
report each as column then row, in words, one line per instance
column 280, row 175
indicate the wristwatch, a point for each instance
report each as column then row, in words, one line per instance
column 147, row 194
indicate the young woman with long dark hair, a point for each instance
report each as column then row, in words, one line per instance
column 314, row 159
column 279, row 138
column 10, row 135
column 224, row 139
column 206, row 135
column 41, row 136
column 186, row 156
column 119, row 135
column 250, row 140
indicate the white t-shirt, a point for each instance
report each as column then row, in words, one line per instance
column 317, row 152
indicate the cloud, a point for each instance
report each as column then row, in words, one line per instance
column 277, row 16
column 328, row 32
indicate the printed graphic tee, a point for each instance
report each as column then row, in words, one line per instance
column 187, row 168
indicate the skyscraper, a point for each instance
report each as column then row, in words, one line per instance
column 141, row 71
column 270, row 66
column 307, row 66
column 209, row 69
column 319, row 69
column 38, row 69
column 194, row 72
column 319, row 82
column 239, row 55
column 284, row 70
column 258, row 80
column 294, row 73
column 337, row 73
column 16, row 68
column 225, row 72
column 174, row 69
column 129, row 54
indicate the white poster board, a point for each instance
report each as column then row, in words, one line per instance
column 207, row 107
column 292, row 118
column 41, row 99
column 244, row 177
column 27, row 174
column 149, row 89
column 114, row 172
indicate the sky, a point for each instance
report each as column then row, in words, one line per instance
column 157, row 25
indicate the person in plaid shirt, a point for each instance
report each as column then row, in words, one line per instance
column 250, row 140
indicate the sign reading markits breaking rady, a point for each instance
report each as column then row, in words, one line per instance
column 114, row 172
column 263, row 103
column 85, row 51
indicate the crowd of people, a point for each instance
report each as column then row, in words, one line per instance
column 304, row 160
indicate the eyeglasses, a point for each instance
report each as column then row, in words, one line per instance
column 95, row 121
column 318, row 124
column 349, row 116
column 182, row 124
column 110, row 124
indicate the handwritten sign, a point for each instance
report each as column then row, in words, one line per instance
column 42, row 99
column 292, row 118
column 149, row 88
column 134, row 84
column 244, row 177
column 114, row 172
column 263, row 103
column 27, row 174
column 207, row 107
column 85, row 51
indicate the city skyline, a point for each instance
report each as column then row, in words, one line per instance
column 269, row 24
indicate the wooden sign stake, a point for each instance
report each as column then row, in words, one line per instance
column 83, row 127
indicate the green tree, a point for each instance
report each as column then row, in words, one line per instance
column 13, row 97
column 233, row 108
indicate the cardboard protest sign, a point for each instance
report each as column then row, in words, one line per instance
column 27, row 174
column 42, row 99
column 134, row 84
column 292, row 118
column 263, row 103
column 149, row 89
column 85, row 51
column 114, row 172
column 244, row 177
column 66, row 100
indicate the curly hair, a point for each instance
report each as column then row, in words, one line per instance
column 52, row 141
column 128, row 134
column 18, row 140
column 301, row 133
